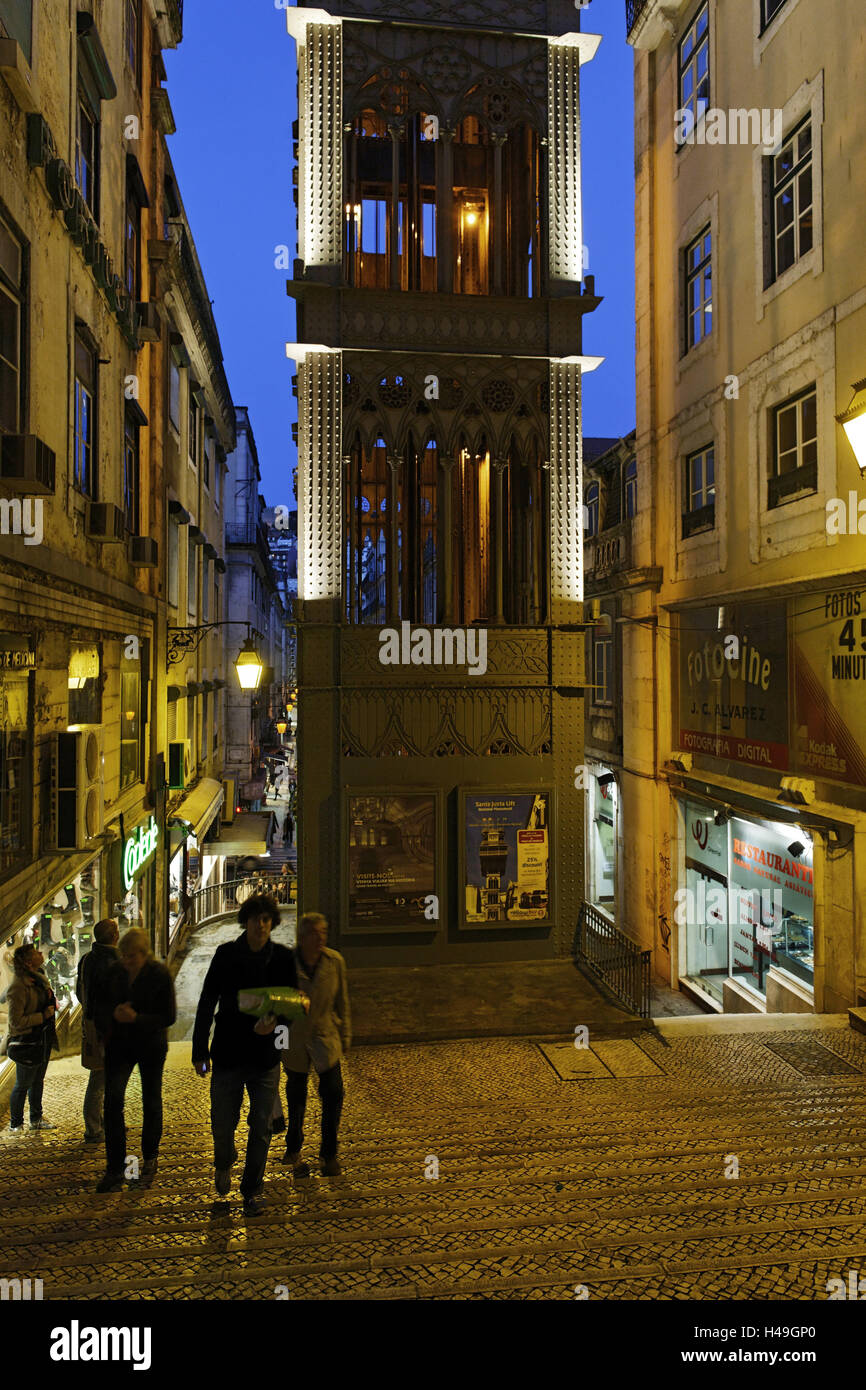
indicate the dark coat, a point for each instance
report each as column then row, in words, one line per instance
column 235, row 1041
column 151, row 994
column 93, row 971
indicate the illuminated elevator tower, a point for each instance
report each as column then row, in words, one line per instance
column 440, row 301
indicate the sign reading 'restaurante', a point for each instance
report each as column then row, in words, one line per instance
column 733, row 683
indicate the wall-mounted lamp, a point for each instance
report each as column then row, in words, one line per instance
column 795, row 848
column 853, row 422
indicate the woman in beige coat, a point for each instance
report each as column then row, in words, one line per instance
column 32, row 1036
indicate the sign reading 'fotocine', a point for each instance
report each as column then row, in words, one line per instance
column 733, row 683
column 137, row 851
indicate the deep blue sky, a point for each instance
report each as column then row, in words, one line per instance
column 232, row 88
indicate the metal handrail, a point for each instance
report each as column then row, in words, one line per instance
column 618, row 961
column 219, row 899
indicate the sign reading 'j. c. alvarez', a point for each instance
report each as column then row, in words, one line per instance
column 733, row 695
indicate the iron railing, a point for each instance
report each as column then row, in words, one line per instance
column 219, row 899
column 618, row 961
column 633, row 12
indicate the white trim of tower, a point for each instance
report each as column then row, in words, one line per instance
column 565, row 55
column 319, row 37
column 320, row 481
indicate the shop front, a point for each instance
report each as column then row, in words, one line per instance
column 135, row 900
column 192, row 863
column 601, row 850
column 744, row 907
column 61, row 926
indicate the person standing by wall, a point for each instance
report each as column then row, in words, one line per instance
column 321, row 1038
column 32, row 1036
column 93, row 971
column 134, row 1012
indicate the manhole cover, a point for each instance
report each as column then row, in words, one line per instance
column 601, row 1062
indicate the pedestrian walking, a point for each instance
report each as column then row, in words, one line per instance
column 320, row 1039
column 93, row 971
column 134, row 1011
column 32, row 1036
column 242, row 1056
column 288, row 829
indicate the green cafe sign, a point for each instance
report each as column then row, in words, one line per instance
column 138, row 850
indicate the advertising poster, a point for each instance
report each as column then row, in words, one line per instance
column 829, row 735
column 733, row 683
column 392, row 859
column 507, row 857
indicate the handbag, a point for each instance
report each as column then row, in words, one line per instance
column 92, row 1046
column 29, row 1051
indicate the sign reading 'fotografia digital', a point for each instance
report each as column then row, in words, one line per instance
column 392, row 860
column 507, row 857
column 733, row 683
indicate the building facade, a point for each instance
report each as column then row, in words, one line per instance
column 439, row 363
column 98, row 287
column 744, row 780
column 255, row 598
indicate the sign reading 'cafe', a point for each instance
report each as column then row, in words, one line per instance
column 137, row 850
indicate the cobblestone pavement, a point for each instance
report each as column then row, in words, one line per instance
column 615, row 1181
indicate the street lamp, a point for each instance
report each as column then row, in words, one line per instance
column 249, row 666
column 853, row 422
column 281, row 727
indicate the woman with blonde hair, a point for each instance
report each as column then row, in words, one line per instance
column 32, row 1036
column 134, row 1013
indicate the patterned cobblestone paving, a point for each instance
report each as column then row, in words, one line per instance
column 620, row 1186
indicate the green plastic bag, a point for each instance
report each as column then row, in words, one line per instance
column 281, row 1000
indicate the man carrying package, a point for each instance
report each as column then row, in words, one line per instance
column 243, row 1054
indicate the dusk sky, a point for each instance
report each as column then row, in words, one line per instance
column 233, row 156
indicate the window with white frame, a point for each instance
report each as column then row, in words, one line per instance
column 694, row 67
column 191, row 577
column 794, row 447
column 699, row 496
column 591, row 504
column 699, row 289
column 602, row 670
column 791, row 192
column 630, row 489
column 769, row 10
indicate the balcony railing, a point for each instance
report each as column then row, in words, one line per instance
column 633, row 11
column 787, row 485
column 223, row 899
column 701, row 519
column 615, row 959
column 609, row 551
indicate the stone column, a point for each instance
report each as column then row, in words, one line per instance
column 320, row 150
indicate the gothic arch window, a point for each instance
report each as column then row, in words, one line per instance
column 390, row 234
column 524, row 535
column 419, row 534
column 472, row 512
column 367, row 520
column 591, row 506
column 497, row 198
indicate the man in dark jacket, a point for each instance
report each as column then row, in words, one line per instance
column 242, row 1054
column 134, row 1013
column 93, row 971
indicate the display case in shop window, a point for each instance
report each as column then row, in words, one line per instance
column 794, row 947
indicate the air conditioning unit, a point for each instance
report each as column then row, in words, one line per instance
column 143, row 552
column 28, row 463
column 105, row 522
column 228, row 814
column 180, row 764
column 78, row 788
column 148, row 324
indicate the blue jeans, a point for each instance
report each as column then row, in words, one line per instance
column 118, row 1070
column 28, row 1082
column 227, row 1086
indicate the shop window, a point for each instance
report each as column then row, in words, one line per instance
column 602, row 847
column 84, row 682
column 794, row 448
column 85, row 451
column 12, row 321
column 16, row 752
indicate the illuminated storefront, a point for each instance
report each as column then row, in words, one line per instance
column 602, row 808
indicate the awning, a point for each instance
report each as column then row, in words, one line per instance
column 247, row 835
column 199, row 808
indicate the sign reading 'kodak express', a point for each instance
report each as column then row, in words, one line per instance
column 137, row 850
